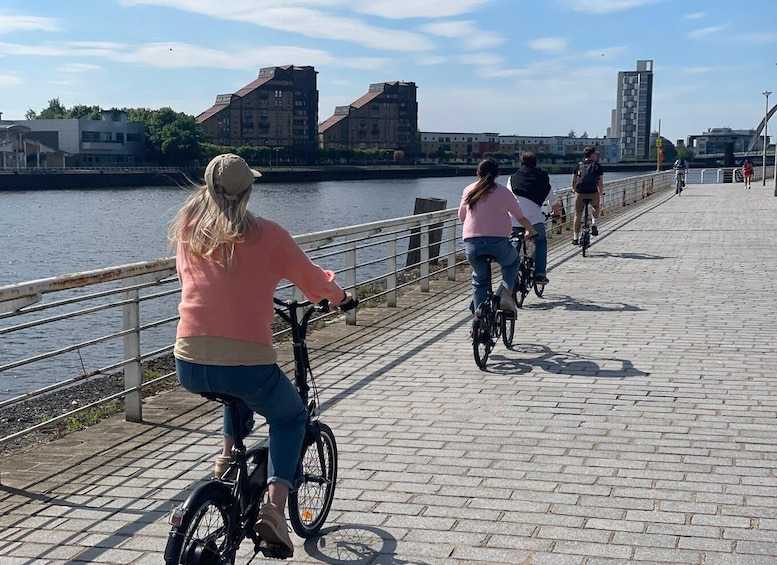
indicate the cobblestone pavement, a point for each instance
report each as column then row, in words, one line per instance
column 632, row 422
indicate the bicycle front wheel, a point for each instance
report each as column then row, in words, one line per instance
column 309, row 505
column 203, row 528
column 539, row 289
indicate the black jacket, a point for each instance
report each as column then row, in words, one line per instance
column 533, row 184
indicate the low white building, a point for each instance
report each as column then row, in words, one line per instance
column 111, row 140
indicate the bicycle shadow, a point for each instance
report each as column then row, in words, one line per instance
column 571, row 364
column 646, row 256
column 355, row 544
column 581, row 305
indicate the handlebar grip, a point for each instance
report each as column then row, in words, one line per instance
column 350, row 305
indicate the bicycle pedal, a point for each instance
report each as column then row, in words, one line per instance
column 274, row 550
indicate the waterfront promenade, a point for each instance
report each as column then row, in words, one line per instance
column 632, row 422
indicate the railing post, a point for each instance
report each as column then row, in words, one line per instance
column 425, row 258
column 133, row 406
column 391, row 274
column 450, row 241
column 350, row 281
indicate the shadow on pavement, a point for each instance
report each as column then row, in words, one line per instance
column 581, row 305
column 568, row 363
column 608, row 255
column 355, row 544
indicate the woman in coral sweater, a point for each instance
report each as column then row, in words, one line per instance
column 229, row 263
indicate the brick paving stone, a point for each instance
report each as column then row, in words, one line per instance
column 631, row 422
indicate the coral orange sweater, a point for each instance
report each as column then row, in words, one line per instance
column 238, row 304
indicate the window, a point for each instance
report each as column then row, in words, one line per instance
column 134, row 137
column 88, row 136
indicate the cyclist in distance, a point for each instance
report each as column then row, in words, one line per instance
column 485, row 210
column 531, row 187
column 229, row 264
column 680, row 171
column 587, row 183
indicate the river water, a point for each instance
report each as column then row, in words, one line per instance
column 49, row 233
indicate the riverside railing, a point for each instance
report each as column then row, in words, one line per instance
column 111, row 321
column 114, row 321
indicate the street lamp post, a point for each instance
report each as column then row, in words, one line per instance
column 766, row 122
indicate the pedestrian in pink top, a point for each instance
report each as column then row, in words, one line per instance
column 485, row 210
column 229, row 263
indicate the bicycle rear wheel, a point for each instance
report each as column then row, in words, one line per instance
column 203, row 528
column 585, row 242
column 309, row 505
column 508, row 329
column 482, row 341
column 521, row 289
column 539, row 289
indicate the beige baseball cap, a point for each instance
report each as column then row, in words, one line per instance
column 228, row 176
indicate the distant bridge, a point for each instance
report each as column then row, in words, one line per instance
column 761, row 126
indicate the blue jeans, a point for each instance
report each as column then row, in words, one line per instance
column 266, row 390
column 504, row 253
column 540, row 250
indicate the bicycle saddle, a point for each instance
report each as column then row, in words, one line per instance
column 488, row 258
column 219, row 397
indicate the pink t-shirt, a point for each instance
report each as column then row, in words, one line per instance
column 238, row 304
column 490, row 216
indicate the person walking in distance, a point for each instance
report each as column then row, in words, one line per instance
column 531, row 187
column 485, row 210
column 229, row 263
column 587, row 183
column 747, row 173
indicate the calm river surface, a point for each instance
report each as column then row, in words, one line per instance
column 49, row 233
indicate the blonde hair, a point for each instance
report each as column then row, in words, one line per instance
column 212, row 226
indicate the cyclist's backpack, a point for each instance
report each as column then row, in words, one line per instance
column 587, row 176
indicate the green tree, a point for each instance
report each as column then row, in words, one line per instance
column 685, row 153
column 30, row 114
column 584, row 135
column 82, row 112
column 572, row 134
column 172, row 138
column 670, row 152
column 54, row 111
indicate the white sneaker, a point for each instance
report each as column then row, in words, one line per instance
column 271, row 527
column 506, row 303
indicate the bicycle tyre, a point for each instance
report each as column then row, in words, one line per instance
column 204, row 535
column 508, row 329
column 539, row 290
column 521, row 286
column 585, row 242
column 309, row 505
column 482, row 341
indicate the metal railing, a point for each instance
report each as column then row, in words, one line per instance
column 112, row 321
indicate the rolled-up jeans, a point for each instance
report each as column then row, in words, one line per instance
column 540, row 250
column 504, row 254
column 266, row 390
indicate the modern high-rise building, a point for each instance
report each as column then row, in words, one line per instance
column 632, row 114
column 386, row 117
column 278, row 109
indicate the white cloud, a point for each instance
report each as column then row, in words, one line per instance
column 78, row 68
column 403, row 9
column 296, row 16
column 705, row 31
column 694, row 16
column 431, row 60
column 548, row 44
column 607, row 6
column 10, row 81
column 471, row 37
column 11, row 22
column 183, row 55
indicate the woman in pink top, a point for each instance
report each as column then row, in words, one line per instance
column 229, row 263
column 485, row 210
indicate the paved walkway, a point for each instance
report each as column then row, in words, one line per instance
column 633, row 421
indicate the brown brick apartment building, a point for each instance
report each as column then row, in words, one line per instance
column 384, row 118
column 278, row 109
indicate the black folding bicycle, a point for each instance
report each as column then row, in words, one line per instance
column 208, row 528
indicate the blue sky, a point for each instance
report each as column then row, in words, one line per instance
column 526, row 67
